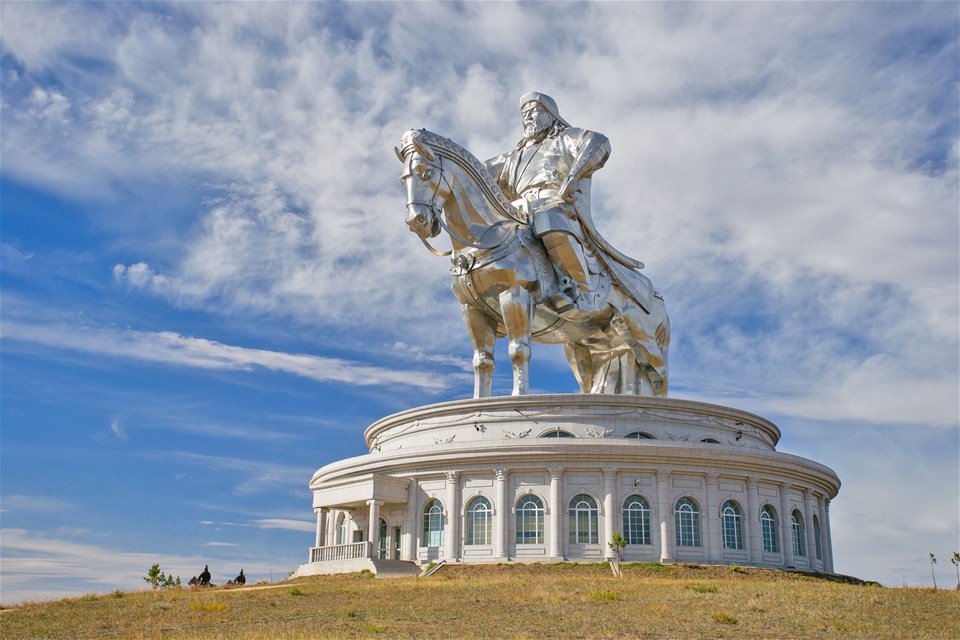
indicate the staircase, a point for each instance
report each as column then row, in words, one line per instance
column 395, row 568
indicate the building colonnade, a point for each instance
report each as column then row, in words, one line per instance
column 571, row 513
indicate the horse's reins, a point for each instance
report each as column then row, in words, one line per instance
column 438, row 215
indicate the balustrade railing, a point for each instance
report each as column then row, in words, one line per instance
column 350, row 551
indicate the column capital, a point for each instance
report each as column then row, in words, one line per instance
column 374, row 503
column 712, row 477
column 555, row 472
column 452, row 475
column 609, row 473
column 751, row 482
column 663, row 473
column 501, row 473
column 320, row 509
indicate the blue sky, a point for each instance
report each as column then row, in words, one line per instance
column 208, row 290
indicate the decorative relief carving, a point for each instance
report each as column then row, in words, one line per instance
column 444, row 440
column 521, row 434
column 599, row 433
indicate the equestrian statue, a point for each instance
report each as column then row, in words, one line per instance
column 528, row 263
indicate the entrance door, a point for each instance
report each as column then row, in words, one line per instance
column 382, row 551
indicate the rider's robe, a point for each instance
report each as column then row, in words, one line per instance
column 531, row 175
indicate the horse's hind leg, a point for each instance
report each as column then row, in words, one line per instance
column 517, row 309
column 483, row 334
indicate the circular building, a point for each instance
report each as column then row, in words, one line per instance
column 553, row 477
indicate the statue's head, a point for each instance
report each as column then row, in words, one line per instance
column 539, row 112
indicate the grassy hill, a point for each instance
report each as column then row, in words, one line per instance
column 511, row 601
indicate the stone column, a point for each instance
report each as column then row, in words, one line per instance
column 665, row 513
column 751, row 523
column 321, row 525
column 810, row 538
column 501, row 519
column 786, row 528
column 332, row 528
column 828, row 549
column 408, row 547
column 713, row 520
column 373, row 527
column 453, row 516
column 609, row 487
column 556, row 495
column 823, row 534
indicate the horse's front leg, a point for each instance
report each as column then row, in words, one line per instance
column 483, row 335
column 517, row 308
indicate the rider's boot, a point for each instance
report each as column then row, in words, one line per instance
column 567, row 255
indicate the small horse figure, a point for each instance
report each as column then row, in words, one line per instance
column 205, row 576
column 503, row 277
column 240, row 579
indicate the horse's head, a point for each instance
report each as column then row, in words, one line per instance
column 422, row 176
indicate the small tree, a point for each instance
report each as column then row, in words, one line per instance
column 159, row 580
column 955, row 560
column 933, row 561
column 616, row 544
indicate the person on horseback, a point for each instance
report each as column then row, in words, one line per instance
column 548, row 175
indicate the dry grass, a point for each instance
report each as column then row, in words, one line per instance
column 511, row 601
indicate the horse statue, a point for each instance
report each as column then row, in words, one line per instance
column 503, row 279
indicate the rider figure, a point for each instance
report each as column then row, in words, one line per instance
column 548, row 174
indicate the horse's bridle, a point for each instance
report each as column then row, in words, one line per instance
column 438, row 216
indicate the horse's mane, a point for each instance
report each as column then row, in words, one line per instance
column 473, row 166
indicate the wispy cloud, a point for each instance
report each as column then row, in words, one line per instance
column 174, row 349
column 37, row 566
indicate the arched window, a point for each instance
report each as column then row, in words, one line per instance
column 558, row 434
column 710, row 441
column 530, row 520
column 382, row 542
column 688, row 523
column 432, row 524
column 816, row 537
column 636, row 520
column 732, row 528
column 768, row 529
column 342, row 528
column 640, row 435
column 796, row 527
column 479, row 522
column 584, row 520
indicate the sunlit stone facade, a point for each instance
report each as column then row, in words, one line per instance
column 551, row 477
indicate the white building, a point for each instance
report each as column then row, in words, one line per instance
column 552, row 477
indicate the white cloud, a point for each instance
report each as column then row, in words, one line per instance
column 173, row 349
column 287, row 524
column 39, row 567
column 21, row 502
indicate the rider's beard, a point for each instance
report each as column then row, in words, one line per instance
column 532, row 134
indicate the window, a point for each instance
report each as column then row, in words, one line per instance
column 710, row 441
column 639, row 435
column 479, row 522
column 432, row 524
column 342, row 529
column 796, row 527
column 558, row 434
column 584, row 520
column 688, row 523
column 768, row 529
column 816, row 537
column 530, row 520
column 732, row 528
column 636, row 520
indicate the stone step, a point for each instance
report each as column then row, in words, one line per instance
column 394, row 568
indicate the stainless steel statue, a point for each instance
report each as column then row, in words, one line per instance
column 527, row 261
